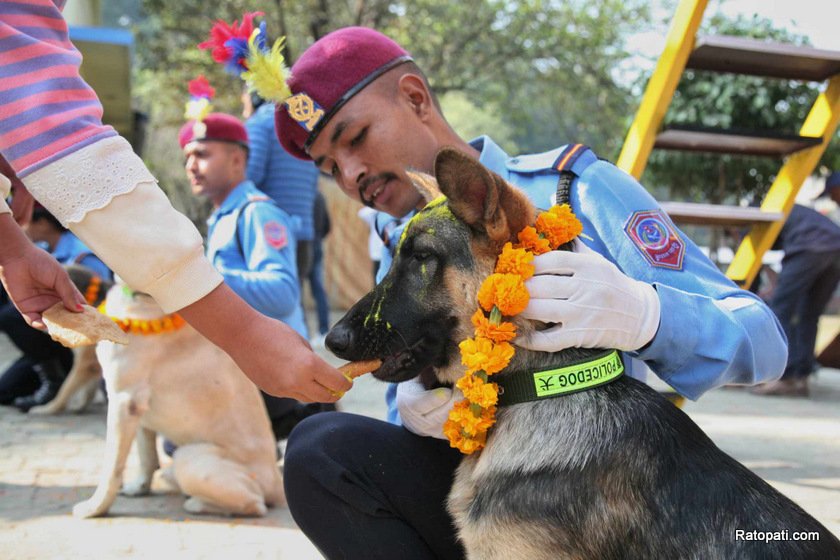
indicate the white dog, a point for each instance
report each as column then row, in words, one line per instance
column 176, row 383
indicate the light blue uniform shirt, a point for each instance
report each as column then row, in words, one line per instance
column 251, row 242
column 71, row 250
column 711, row 332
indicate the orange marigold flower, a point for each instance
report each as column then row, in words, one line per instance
column 497, row 333
column 515, row 261
column 452, row 431
column 559, row 225
column 478, row 392
column 470, row 425
column 483, row 354
column 505, row 291
column 459, row 441
column 471, row 445
column 477, row 426
column 529, row 239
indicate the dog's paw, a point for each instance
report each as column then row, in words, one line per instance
column 88, row 509
column 254, row 508
column 197, row 505
column 42, row 410
column 139, row 487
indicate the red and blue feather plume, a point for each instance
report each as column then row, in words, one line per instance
column 229, row 42
column 201, row 93
column 245, row 52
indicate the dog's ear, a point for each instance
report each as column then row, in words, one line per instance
column 425, row 184
column 480, row 198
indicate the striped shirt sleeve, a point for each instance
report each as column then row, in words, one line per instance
column 46, row 110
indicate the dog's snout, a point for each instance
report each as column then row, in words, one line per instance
column 340, row 340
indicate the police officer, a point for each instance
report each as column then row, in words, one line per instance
column 809, row 277
column 250, row 240
column 363, row 111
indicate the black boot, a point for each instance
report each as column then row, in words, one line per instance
column 18, row 380
column 52, row 374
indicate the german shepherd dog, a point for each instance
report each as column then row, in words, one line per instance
column 614, row 472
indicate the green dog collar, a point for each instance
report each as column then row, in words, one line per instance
column 524, row 386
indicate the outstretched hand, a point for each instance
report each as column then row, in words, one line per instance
column 282, row 363
column 276, row 358
column 35, row 281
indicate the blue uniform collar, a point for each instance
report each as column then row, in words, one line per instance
column 492, row 156
column 244, row 191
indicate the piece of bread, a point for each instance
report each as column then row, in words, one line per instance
column 353, row 370
column 81, row 329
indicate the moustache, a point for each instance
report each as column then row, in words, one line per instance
column 368, row 181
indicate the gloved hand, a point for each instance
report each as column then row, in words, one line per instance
column 593, row 304
column 423, row 411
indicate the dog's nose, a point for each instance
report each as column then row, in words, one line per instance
column 339, row 340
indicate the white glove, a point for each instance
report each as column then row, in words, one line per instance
column 593, row 304
column 424, row 411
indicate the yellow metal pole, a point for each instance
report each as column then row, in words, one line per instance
column 660, row 89
column 822, row 121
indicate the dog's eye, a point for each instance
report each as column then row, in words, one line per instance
column 421, row 256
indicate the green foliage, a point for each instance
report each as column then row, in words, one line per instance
column 470, row 121
column 544, row 66
column 534, row 73
column 731, row 102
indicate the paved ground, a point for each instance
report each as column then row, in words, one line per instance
column 48, row 464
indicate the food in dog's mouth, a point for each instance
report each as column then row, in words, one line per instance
column 352, row 370
column 406, row 363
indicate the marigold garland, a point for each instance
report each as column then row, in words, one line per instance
column 502, row 294
column 92, row 291
column 505, row 291
column 167, row 323
column 501, row 332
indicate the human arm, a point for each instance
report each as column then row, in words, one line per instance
column 710, row 332
column 89, row 178
column 275, row 357
column 34, row 280
column 158, row 251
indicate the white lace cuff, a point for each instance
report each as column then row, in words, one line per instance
column 88, row 179
column 154, row 248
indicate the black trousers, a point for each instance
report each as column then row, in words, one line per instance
column 803, row 289
column 19, row 380
column 31, row 342
column 363, row 489
column 37, row 347
column 304, row 257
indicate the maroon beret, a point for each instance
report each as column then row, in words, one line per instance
column 326, row 76
column 218, row 127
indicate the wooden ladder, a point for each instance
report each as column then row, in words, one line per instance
column 737, row 55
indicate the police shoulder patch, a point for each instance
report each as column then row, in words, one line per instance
column 275, row 234
column 656, row 238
